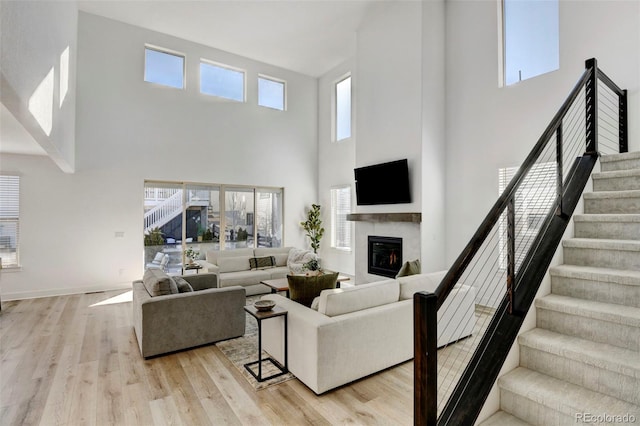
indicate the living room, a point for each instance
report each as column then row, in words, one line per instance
column 425, row 88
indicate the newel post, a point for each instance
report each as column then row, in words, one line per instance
column 623, row 122
column 591, row 107
column 425, row 361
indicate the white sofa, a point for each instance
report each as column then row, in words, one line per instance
column 232, row 267
column 360, row 330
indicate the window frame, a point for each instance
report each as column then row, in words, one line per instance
column 284, row 91
column 225, row 67
column 334, row 108
column 335, row 221
column 16, row 265
column 167, row 52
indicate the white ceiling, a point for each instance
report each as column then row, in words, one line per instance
column 307, row 36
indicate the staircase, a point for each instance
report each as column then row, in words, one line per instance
column 582, row 364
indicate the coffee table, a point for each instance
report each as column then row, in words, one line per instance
column 281, row 284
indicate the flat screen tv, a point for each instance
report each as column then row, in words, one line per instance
column 385, row 183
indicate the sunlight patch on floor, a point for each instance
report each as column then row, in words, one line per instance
column 120, row 298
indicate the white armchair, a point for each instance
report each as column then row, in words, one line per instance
column 160, row 261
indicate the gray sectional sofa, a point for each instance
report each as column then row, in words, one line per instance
column 166, row 319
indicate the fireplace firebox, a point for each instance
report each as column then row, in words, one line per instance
column 385, row 256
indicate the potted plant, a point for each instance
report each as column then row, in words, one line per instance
column 201, row 230
column 313, row 227
column 312, row 267
column 153, row 237
column 191, row 254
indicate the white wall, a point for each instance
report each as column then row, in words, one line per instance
column 489, row 127
column 433, row 136
column 129, row 131
column 389, row 84
column 33, row 37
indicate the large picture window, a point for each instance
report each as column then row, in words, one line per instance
column 9, row 220
column 203, row 217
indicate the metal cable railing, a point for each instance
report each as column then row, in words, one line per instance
column 506, row 259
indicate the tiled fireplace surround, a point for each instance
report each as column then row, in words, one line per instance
column 399, row 225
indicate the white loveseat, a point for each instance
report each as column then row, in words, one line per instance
column 233, row 267
column 361, row 330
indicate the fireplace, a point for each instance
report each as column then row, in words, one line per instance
column 385, row 256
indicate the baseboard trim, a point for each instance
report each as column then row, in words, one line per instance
column 63, row 292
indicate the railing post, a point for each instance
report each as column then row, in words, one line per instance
column 560, row 170
column 591, row 107
column 511, row 251
column 622, row 122
column 425, row 360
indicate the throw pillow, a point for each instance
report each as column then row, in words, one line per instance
column 262, row 262
column 183, row 285
column 411, row 267
column 303, row 289
column 158, row 283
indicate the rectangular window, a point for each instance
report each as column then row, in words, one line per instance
column 533, row 200
column 221, row 81
column 269, row 204
column 340, row 208
column 530, row 31
column 9, row 220
column 271, row 93
column 163, row 68
column 342, row 117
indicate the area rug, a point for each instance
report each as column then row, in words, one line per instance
column 244, row 349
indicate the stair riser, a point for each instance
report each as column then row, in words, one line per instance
column 603, row 258
column 596, row 330
column 610, row 230
column 596, row 379
column 532, row 412
column 613, row 166
column 627, row 205
column 598, row 291
column 616, row 184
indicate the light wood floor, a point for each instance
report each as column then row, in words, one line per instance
column 71, row 360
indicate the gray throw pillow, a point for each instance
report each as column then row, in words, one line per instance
column 183, row 285
column 158, row 283
column 411, row 267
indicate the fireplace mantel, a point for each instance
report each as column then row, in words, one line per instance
column 385, row 217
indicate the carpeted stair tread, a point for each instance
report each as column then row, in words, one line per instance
column 598, row 355
column 635, row 155
column 608, row 275
column 502, row 418
column 616, row 174
column 618, row 314
column 562, row 396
